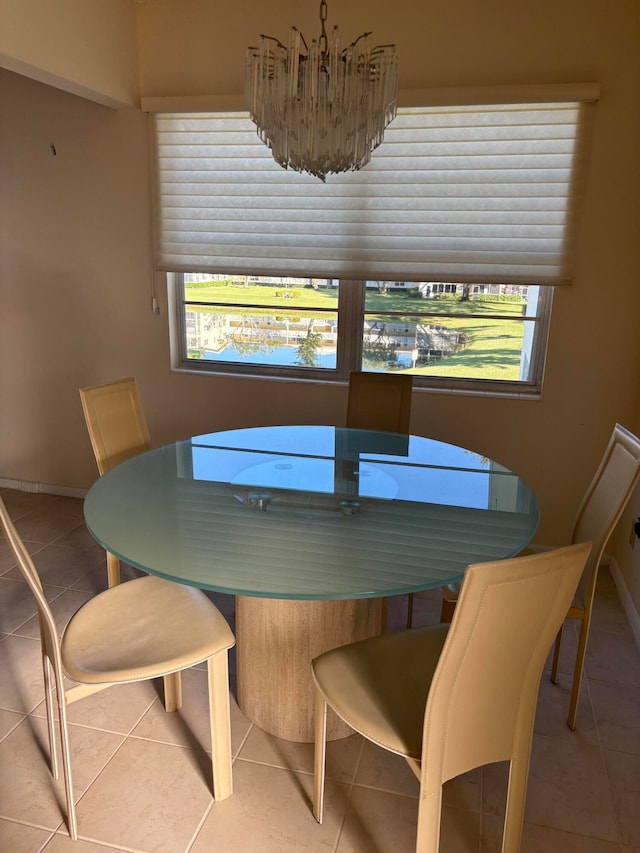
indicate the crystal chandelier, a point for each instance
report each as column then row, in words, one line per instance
column 321, row 108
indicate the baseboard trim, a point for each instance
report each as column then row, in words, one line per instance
column 633, row 617
column 42, row 488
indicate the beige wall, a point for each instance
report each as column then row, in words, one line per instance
column 75, row 270
column 88, row 48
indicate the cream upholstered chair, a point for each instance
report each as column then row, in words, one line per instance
column 118, row 431
column 131, row 632
column 604, row 502
column 451, row 698
column 379, row 401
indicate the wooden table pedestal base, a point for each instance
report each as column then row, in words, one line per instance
column 277, row 639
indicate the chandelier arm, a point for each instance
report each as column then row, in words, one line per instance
column 306, row 46
column 270, row 38
column 364, row 36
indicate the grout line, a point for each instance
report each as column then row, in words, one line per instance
column 596, row 724
column 198, row 828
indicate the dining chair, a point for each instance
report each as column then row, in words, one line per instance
column 379, row 401
column 118, row 430
column 134, row 631
column 449, row 698
column 605, row 500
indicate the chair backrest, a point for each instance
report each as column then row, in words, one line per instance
column 482, row 701
column 116, row 422
column 380, row 401
column 48, row 630
column 604, row 502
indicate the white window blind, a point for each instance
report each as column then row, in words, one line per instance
column 474, row 193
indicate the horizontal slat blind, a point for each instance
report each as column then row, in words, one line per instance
column 474, row 193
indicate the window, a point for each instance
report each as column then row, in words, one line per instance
column 439, row 257
column 459, row 335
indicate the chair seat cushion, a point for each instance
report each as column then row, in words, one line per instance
column 380, row 686
column 141, row 629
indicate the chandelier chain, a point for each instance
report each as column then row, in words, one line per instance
column 322, row 43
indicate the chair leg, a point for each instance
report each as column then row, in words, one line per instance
column 514, row 810
column 429, row 816
column 220, row 720
column 320, row 754
column 48, row 695
column 113, row 570
column 384, row 611
column 172, row 692
column 410, row 610
column 577, row 673
column 556, row 655
column 66, row 766
column 447, row 610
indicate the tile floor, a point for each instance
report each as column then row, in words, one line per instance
column 141, row 775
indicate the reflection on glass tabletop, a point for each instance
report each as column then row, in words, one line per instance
column 311, row 512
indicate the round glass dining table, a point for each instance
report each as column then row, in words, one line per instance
column 311, row 528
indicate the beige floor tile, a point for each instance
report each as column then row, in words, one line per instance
column 17, row 602
column 613, row 657
column 385, row 771
column 7, row 559
column 8, row 565
column 342, row 755
column 541, row 839
column 190, row 725
column 151, row 797
column 24, row 767
column 270, row 812
column 21, row 684
column 95, row 581
column 8, row 721
column 617, row 710
column 47, row 524
column 568, row 650
column 63, row 844
column 553, row 709
column 21, row 503
column 80, row 538
column 18, row 838
column 63, row 607
column 567, row 788
column 608, row 613
column 62, row 566
column 116, row 709
column 379, row 822
column 624, row 773
column 379, row 768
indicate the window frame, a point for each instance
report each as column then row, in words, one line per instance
column 351, row 316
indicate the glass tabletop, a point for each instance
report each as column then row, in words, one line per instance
column 310, row 512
